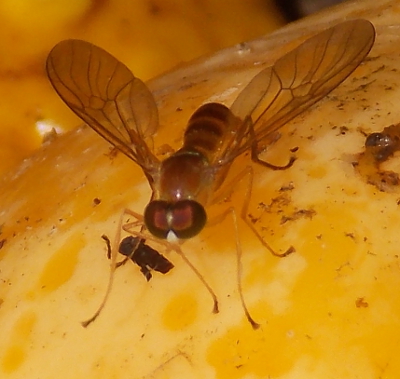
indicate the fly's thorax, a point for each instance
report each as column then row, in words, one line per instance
column 184, row 175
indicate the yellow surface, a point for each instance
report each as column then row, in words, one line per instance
column 330, row 310
column 150, row 36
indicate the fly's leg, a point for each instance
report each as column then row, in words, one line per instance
column 246, row 175
column 255, row 154
column 250, row 175
column 216, row 220
column 255, row 158
column 112, row 253
column 244, row 212
column 113, row 266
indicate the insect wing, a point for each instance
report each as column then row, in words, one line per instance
column 106, row 95
column 296, row 81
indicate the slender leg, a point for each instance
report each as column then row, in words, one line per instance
column 253, row 323
column 254, row 152
column 256, row 159
column 246, row 175
column 113, row 266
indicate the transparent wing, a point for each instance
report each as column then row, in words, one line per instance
column 295, row 82
column 106, row 95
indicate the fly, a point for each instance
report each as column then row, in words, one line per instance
column 105, row 94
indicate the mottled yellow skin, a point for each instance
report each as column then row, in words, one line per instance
column 329, row 310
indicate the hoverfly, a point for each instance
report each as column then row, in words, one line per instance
column 104, row 93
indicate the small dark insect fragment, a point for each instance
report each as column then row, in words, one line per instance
column 380, row 147
column 144, row 256
column 384, row 144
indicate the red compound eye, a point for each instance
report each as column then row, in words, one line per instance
column 185, row 218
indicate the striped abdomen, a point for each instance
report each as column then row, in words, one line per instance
column 206, row 129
